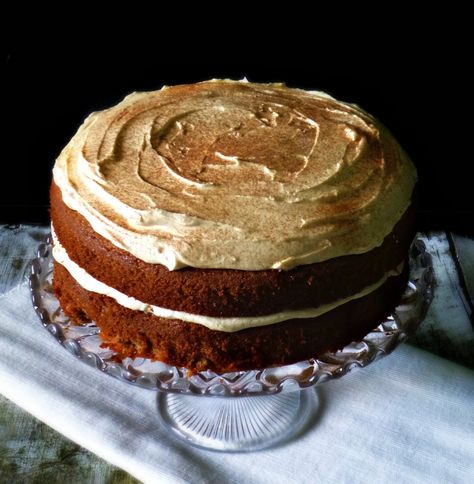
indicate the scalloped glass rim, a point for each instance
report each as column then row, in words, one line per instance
column 83, row 341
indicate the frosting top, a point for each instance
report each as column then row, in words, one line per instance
column 238, row 175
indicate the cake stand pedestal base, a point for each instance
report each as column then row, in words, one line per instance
column 237, row 424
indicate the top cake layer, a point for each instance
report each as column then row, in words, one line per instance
column 235, row 175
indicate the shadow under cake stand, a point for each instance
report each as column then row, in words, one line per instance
column 243, row 410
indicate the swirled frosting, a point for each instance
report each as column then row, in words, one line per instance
column 231, row 174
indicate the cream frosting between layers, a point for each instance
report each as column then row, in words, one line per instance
column 229, row 174
column 232, row 324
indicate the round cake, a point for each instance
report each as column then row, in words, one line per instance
column 229, row 225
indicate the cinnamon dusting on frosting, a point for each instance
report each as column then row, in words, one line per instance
column 231, row 174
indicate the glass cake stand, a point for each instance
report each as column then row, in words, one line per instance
column 244, row 410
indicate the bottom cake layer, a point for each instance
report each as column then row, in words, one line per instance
column 140, row 334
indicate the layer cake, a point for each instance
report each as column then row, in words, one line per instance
column 229, row 225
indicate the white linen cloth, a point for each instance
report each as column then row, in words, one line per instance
column 406, row 418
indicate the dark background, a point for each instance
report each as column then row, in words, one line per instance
column 421, row 93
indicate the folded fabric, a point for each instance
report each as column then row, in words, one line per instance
column 406, row 418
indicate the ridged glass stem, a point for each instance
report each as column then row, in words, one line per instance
column 237, row 424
